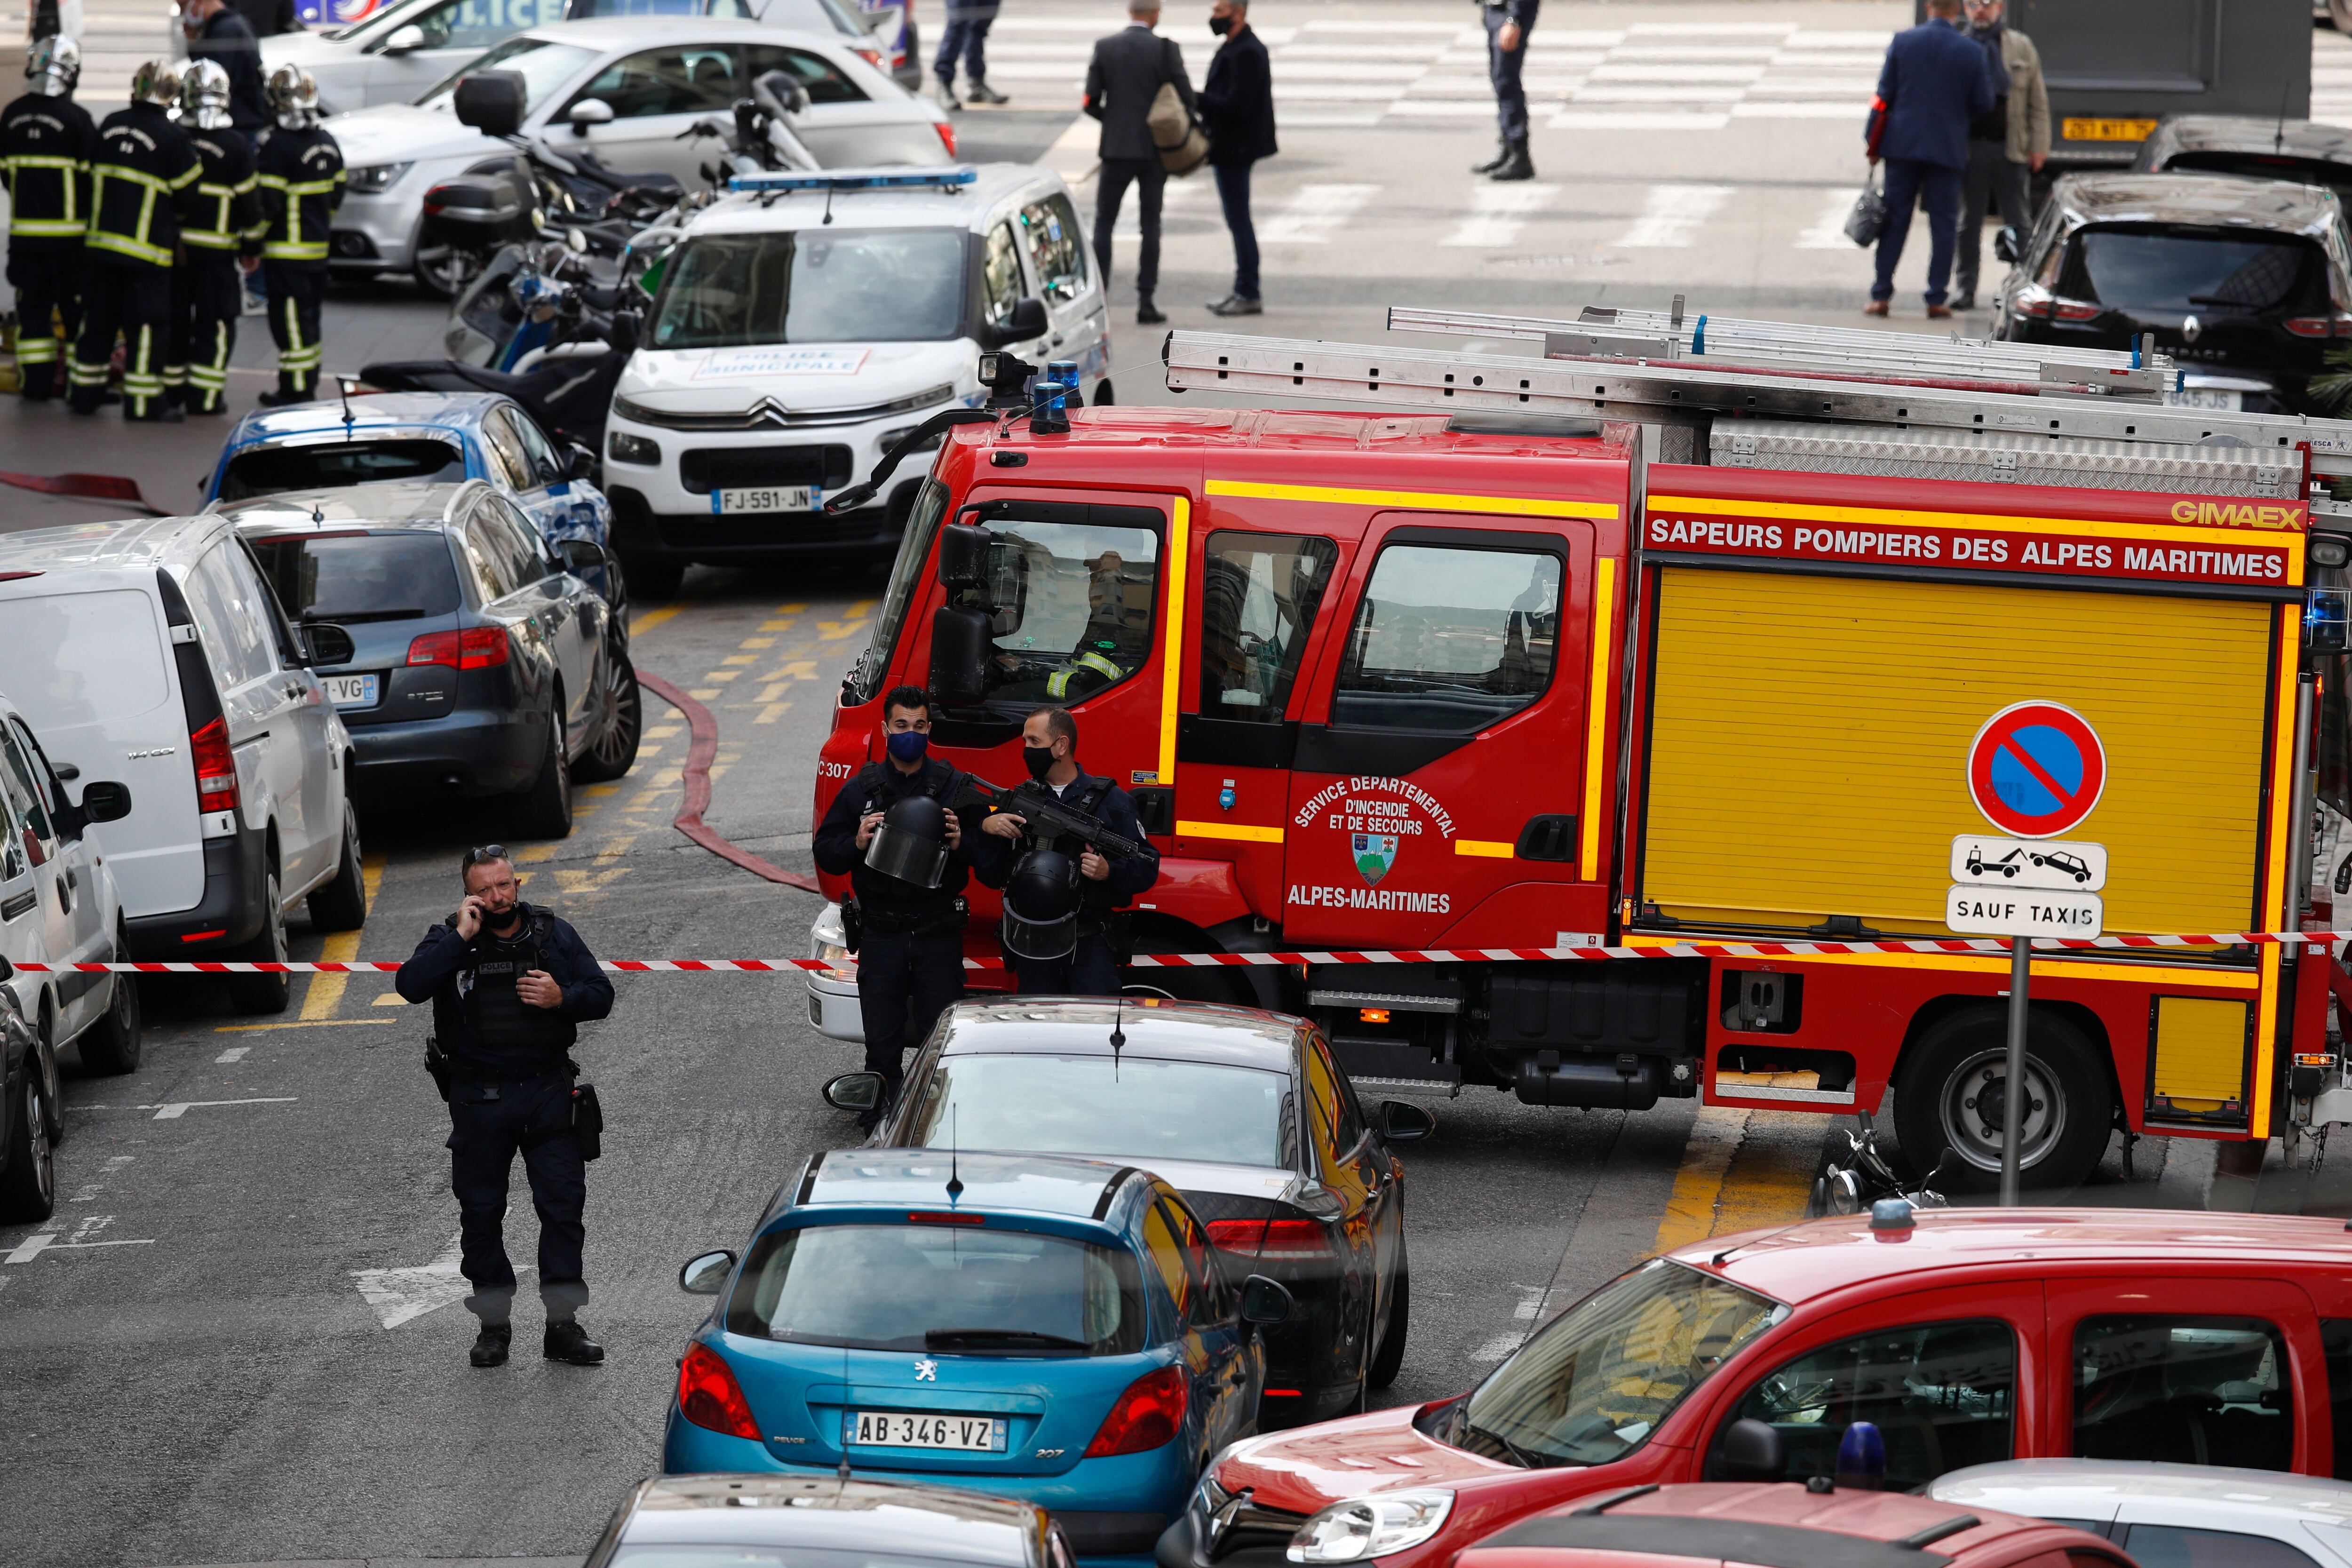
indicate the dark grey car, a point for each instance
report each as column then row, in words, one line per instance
column 1246, row 1112
column 481, row 665
column 822, row 1521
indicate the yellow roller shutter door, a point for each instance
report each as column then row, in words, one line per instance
column 1807, row 737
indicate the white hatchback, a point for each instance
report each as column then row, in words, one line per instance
column 651, row 85
column 2174, row 1513
column 803, row 328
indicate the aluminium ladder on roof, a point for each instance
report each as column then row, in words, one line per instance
column 1599, row 330
column 1692, row 393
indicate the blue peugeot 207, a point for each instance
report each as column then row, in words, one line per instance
column 1031, row 1326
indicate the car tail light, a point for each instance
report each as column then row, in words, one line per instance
column 2074, row 310
column 871, row 57
column 2338, row 325
column 1271, row 1238
column 215, row 767
column 2040, row 303
column 1146, row 1416
column 708, row 1395
column 476, row 647
column 947, row 136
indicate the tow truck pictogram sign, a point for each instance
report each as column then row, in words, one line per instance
column 2036, row 769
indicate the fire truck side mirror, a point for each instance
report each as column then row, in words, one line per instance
column 964, row 556
column 958, row 657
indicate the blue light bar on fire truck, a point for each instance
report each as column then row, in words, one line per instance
column 851, row 180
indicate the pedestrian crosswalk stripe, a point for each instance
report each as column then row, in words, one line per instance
column 1670, row 220
column 1828, row 232
column 1496, row 214
column 1314, row 213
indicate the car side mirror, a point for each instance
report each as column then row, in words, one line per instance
column 580, row 554
column 588, row 112
column 706, row 1275
column 959, row 648
column 404, row 40
column 964, row 556
column 583, row 464
column 7, row 970
column 1402, row 1121
column 105, row 801
column 1028, row 320
column 328, row 643
column 1750, row 1450
column 2004, row 245
column 855, row 1091
column 1265, row 1301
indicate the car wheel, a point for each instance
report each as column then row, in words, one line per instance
column 341, row 904
column 443, row 272
column 111, row 1046
column 52, row 1090
column 270, row 991
column 653, row 579
column 544, row 810
column 1390, row 1359
column 614, row 752
column 28, row 1181
column 1951, row 1094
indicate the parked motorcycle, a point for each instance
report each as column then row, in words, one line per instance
column 1851, row 1185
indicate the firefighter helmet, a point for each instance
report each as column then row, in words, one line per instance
column 293, row 98
column 53, row 65
column 910, row 842
column 156, row 82
column 204, row 95
column 1041, row 906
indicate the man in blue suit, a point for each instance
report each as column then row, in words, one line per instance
column 1936, row 80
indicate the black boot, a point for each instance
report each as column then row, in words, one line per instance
column 283, row 396
column 1147, row 314
column 978, row 91
column 1516, row 164
column 1502, row 156
column 490, row 1344
column 567, row 1341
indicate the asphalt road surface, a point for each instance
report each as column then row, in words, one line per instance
column 239, row 1343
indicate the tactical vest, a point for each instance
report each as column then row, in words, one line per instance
column 485, row 1028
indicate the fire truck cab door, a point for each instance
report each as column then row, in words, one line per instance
column 1438, row 770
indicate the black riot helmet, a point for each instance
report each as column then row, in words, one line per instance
column 910, row 842
column 1041, row 906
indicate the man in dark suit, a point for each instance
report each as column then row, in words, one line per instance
column 1237, row 110
column 1126, row 73
column 1936, row 80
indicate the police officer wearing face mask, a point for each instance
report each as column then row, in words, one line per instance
column 510, row 985
column 1049, row 747
column 907, row 900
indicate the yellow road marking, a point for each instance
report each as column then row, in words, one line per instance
column 784, row 625
column 1714, row 1137
column 723, row 675
column 757, row 642
column 703, row 693
column 304, row 1024
column 640, row 624
column 768, row 714
column 1742, row 1170
column 744, row 657
column 834, row 631
column 324, row 995
column 390, row 999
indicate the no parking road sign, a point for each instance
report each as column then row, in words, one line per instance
column 2036, row 769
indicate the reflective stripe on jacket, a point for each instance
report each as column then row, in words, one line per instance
column 300, row 179
column 142, row 185
column 45, row 150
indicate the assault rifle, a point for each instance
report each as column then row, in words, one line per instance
column 1048, row 815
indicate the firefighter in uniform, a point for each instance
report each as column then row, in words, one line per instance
column 301, row 175
column 142, row 183
column 509, row 986
column 208, row 292
column 910, row 937
column 46, row 142
column 1049, row 748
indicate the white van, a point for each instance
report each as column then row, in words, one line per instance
column 60, row 904
column 152, row 653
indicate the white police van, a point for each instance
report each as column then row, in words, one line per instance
column 803, row 323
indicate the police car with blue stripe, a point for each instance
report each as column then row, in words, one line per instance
column 807, row 321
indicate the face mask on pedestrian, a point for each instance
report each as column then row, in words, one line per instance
column 1039, row 760
column 908, row 745
column 1221, row 26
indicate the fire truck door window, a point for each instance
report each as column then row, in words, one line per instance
column 2186, row 1390
column 1943, row 1396
column 906, row 578
column 1449, row 640
column 1259, row 594
column 1071, row 608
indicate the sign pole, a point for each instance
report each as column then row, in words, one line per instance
column 2015, row 1100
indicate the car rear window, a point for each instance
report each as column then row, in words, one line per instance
column 1134, row 1108
column 270, row 470
column 360, row 576
column 2149, row 269
column 81, row 659
column 948, row 1288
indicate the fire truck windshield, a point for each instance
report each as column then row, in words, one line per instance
column 1070, row 607
column 906, row 576
column 1449, row 638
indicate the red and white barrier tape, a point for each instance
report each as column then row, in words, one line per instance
column 1243, row 960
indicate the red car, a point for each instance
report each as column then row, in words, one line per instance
column 1964, row 1335
column 1784, row 1527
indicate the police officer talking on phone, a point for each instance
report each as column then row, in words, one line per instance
column 509, row 986
column 895, row 832
column 1049, row 749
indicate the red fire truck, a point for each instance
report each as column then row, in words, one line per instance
column 1683, row 633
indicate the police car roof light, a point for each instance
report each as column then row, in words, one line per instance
column 844, row 180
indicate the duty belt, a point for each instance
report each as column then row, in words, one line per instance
column 917, row 925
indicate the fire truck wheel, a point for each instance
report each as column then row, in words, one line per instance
column 1951, row 1093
